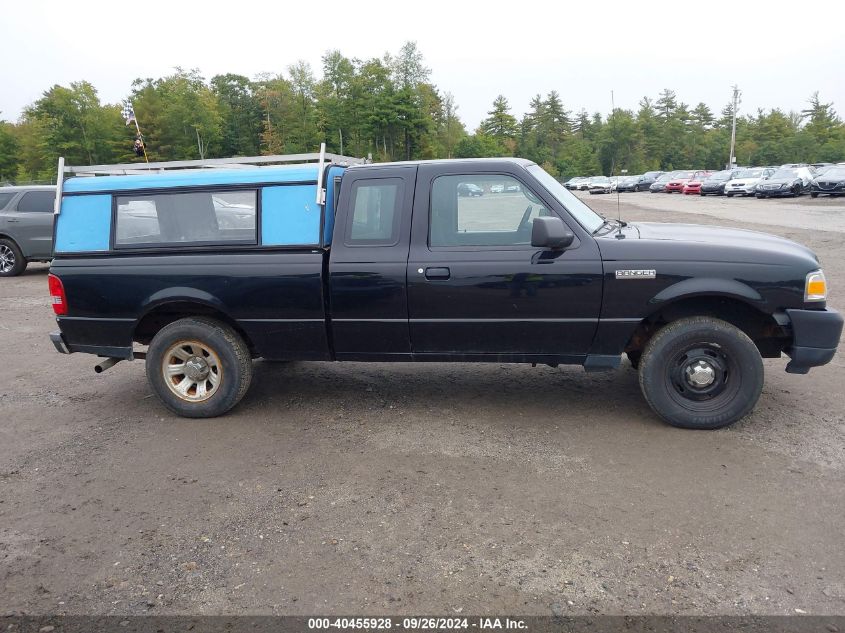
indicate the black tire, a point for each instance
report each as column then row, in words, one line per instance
column 796, row 191
column 814, row 195
column 12, row 261
column 720, row 352
column 206, row 341
column 634, row 357
column 729, row 195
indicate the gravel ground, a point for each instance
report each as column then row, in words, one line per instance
column 397, row 489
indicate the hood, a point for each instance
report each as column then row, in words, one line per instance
column 694, row 242
column 744, row 181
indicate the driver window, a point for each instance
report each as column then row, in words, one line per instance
column 482, row 210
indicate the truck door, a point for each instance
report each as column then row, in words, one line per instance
column 477, row 289
column 368, row 299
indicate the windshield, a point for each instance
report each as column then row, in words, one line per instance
column 650, row 174
column 785, row 173
column 682, row 174
column 665, row 178
column 584, row 215
column 835, row 172
column 750, row 173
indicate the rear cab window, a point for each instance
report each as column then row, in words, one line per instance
column 375, row 217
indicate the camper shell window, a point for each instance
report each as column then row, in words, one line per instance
column 186, row 218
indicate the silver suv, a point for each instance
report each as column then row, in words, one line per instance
column 26, row 227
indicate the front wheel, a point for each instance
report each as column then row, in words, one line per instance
column 701, row 373
column 199, row 367
column 814, row 195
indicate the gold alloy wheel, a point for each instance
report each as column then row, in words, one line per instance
column 192, row 371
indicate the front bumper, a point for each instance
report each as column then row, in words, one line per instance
column 815, row 337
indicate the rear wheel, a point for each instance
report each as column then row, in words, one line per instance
column 701, row 373
column 12, row 261
column 198, row 367
column 814, row 195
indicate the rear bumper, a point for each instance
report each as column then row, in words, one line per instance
column 815, row 337
column 59, row 343
column 63, row 347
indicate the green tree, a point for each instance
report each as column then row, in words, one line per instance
column 9, row 152
column 240, row 113
column 500, row 124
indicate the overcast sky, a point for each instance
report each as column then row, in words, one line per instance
column 777, row 52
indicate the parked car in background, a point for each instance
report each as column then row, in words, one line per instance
column 678, row 181
column 585, row 184
column 745, row 182
column 600, row 184
column 786, row 182
column 648, row 179
column 629, row 183
column 693, row 185
column 659, row 185
column 820, row 171
column 573, row 183
column 469, row 190
column 715, row 183
column 26, row 227
column 831, row 182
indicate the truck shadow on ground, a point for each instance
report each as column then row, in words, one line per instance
column 463, row 390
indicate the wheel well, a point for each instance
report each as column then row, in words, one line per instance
column 768, row 336
column 167, row 313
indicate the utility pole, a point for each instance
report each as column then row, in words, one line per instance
column 734, row 107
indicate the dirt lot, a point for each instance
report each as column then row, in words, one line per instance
column 352, row 488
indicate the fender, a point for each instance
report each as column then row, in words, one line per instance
column 703, row 286
column 179, row 294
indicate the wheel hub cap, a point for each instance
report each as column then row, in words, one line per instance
column 196, row 368
column 7, row 259
column 700, row 374
column 192, row 370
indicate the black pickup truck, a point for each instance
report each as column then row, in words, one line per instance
column 486, row 260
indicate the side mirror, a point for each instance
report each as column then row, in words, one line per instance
column 551, row 233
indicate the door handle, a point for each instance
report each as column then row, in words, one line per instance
column 437, row 273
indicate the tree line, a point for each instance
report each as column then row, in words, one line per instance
column 388, row 108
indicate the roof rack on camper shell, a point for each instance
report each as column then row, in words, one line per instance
column 240, row 162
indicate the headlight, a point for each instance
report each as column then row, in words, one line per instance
column 815, row 286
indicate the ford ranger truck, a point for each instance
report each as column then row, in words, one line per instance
column 201, row 270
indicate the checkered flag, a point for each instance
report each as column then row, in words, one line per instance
column 128, row 113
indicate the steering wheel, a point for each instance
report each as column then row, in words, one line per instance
column 523, row 223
